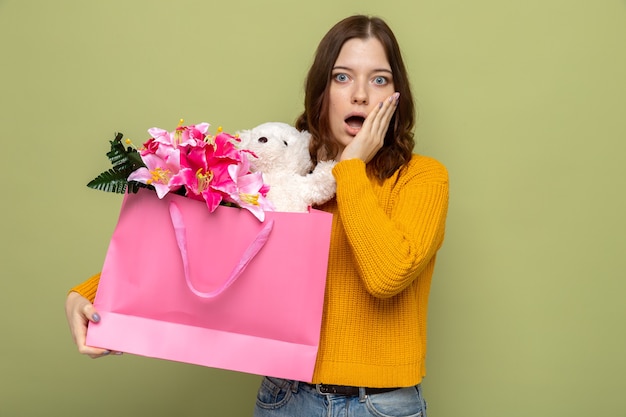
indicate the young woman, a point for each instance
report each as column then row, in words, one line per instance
column 389, row 219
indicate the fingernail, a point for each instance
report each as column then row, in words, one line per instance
column 95, row 317
column 119, row 353
column 106, row 352
column 380, row 105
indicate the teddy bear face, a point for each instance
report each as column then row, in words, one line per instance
column 279, row 147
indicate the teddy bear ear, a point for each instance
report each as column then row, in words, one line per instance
column 242, row 134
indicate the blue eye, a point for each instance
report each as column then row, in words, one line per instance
column 341, row 77
column 380, row 80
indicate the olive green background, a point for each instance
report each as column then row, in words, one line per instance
column 524, row 102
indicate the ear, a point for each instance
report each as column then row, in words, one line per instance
column 244, row 136
column 305, row 135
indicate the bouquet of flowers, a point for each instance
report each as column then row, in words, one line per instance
column 187, row 161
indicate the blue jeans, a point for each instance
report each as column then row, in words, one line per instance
column 285, row 398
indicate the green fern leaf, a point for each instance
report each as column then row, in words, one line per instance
column 134, row 186
column 110, row 181
column 125, row 160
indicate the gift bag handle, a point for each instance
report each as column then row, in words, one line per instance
column 249, row 254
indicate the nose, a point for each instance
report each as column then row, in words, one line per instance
column 359, row 95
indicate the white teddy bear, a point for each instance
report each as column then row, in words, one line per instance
column 282, row 155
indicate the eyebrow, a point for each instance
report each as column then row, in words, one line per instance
column 339, row 67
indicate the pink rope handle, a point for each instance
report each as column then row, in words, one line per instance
column 249, row 254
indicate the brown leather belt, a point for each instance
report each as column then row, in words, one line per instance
column 347, row 390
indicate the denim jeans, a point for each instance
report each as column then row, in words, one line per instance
column 286, row 398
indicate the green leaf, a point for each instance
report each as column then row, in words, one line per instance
column 111, row 181
column 124, row 160
column 134, row 186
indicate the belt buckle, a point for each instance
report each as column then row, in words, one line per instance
column 323, row 389
column 336, row 389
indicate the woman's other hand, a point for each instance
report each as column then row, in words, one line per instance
column 80, row 312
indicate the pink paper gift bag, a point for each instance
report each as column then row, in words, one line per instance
column 215, row 289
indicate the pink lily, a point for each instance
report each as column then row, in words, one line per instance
column 158, row 173
column 199, row 186
column 182, row 135
column 204, row 174
column 248, row 190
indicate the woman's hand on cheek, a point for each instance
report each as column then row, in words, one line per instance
column 371, row 137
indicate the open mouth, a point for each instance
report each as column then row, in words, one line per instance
column 355, row 122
